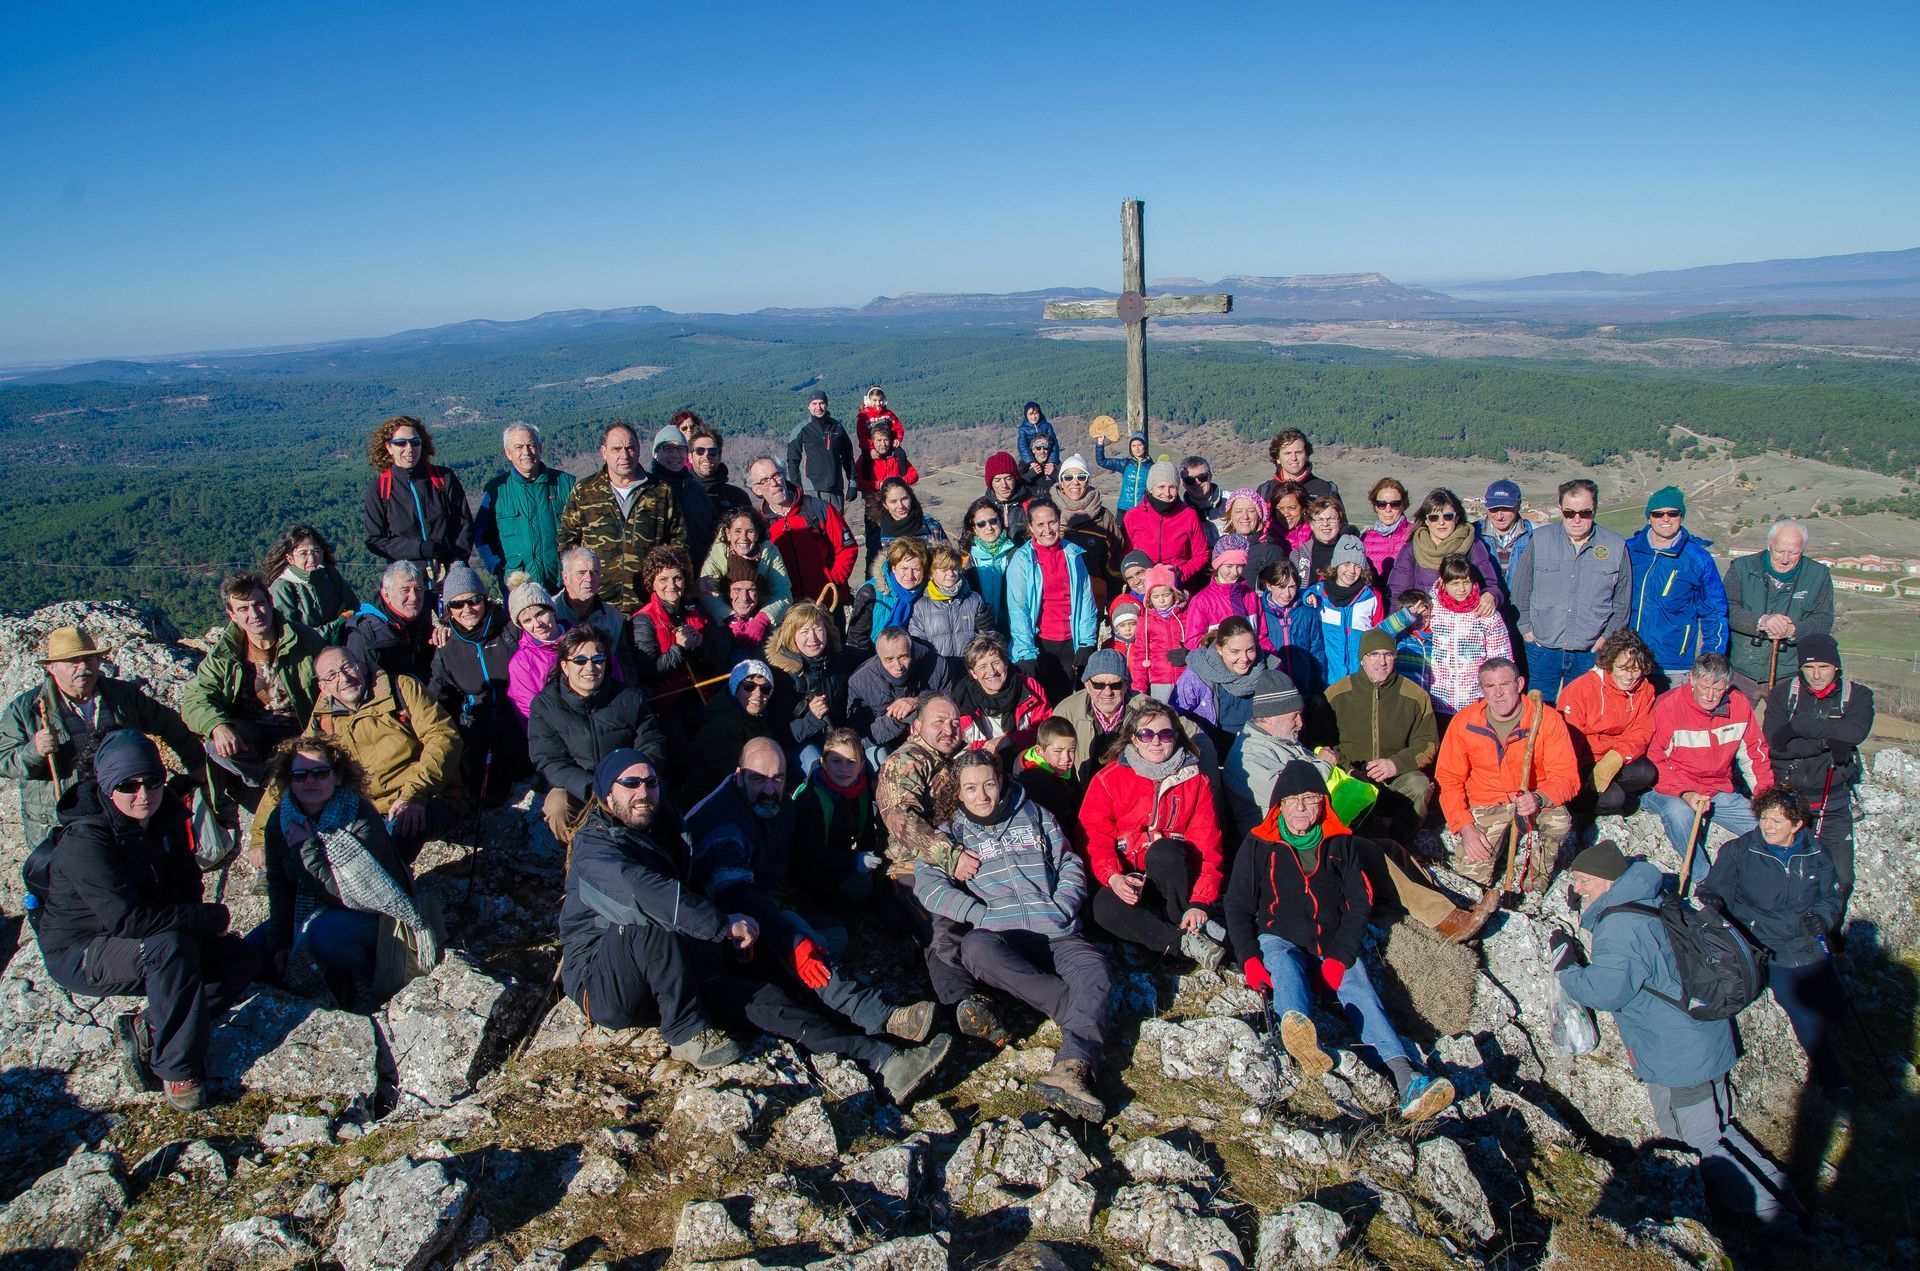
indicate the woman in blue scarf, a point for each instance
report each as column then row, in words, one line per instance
column 887, row 599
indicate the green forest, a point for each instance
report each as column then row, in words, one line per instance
column 147, row 480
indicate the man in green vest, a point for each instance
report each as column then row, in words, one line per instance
column 518, row 524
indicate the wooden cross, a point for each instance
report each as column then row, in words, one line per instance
column 1134, row 306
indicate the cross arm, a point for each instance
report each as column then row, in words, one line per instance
column 1174, row 306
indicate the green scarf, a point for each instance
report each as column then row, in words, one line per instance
column 1305, row 844
column 1034, row 758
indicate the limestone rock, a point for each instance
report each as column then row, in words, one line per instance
column 398, row 1215
column 443, row 1028
column 1215, row 1047
column 1067, row 1206
column 1166, row 1223
column 1031, row 1153
column 74, row 1207
column 59, row 1064
column 807, row 1132
column 1033, row 1255
column 1152, row 1160
column 912, row 1253
column 887, row 1178
column 279, row 1045
column 598, row 1175
column 1301, row 1235
column 284, row 1130
column 717, row 1110
column 259, row 1244
column 705, row 1227
column 1449, row 1181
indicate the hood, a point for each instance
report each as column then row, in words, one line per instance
column 1641, row 884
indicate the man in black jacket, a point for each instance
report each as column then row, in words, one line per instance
column 703, row 457
column 1816, row 722
column 122, row 914
column 696, row 505
column 884, row 691
column 395, row 632
column 820, row 455
column 579, row 718
column 641, row 946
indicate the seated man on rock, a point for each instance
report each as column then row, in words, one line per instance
column 1297, row 908
column 580, row 715
column 407, row 748
column 640, row 946
column 1097, row 709
column 119, row 912
column 883, row 692
column 1507, row 761
column 1711, row 757
column 45, row 730
column 1023, row 904
column 742, row 835
column 1387, row 734
column 1269, row 743
column 394, row 631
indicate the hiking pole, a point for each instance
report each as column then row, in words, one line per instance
column 1526, row 770
column 1773, row 664
column 53, row 759
column 1686, row 863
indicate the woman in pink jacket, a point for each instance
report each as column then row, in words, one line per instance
column 1164, row 527
column 1387, row 537
column 532, row 610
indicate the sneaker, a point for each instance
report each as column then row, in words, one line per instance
column 708, row 1049
column 1425, row 1097
column 1068, row 1086
column 904, row 1072
column 1206, row 951
column 185, row 1096
column 911, row 1023
column 976, row 1018
column 136, row 1051
column 1217, row 931
column 1302, row 1041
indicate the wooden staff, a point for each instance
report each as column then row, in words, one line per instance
column 831, row 589
column 1526, row 767
column 53, row 759
column 694, row 687
column 1773, row 666
column 1686, row 865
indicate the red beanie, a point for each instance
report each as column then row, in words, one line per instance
column 1125, row 600
column 1000, row 462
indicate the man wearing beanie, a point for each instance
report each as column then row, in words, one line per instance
column 1679, row 606
column 622, row 515
column 1297, row 907
column 1167, row 530
column 696, row 505
column 120, row 914
column 1105, row 688
column 1815, row 723
column 1682, row 1060
column 1386, row 733
column 516, row 528
column 1572, row 587
column 1507, row 762
column 820, row 459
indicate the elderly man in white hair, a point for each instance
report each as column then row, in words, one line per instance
column 1774, row 598
column 517, row 526
column 394, row 631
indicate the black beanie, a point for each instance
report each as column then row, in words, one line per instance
column 1602, row 860
column 123, row 753
column 1298, row 777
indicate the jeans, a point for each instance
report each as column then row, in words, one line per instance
column 1294, row 970
column 1550, row 670
column 1730, row 811
column 344, row 939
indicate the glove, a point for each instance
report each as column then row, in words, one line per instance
column 1565, row 949
column 212, row 919
column 1257, row 978
column 1605, row 769
column 1333, row 971
column 1177, row 657
column 868, row 862
column 1811, row 924
column 809, row 966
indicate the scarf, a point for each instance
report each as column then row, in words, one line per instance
column 1305, row 844
column 1155, row 772
column 1106, row 723
column 362, row 883
column 1320, row 558
column 1447, row 602
column 1206, row 663
column 912, row 525
column 976, row 701
column 984, row 552
column 1001, row 811
column 1166, row 507
column 1088, row 507
column 1428, row 551
column 859, row 786
column 934, row 592
column 1341, row 596
column 1777, row 576
column 893, row 606
column 1384, row 530
column 1034, row 759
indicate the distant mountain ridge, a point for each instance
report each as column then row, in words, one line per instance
column 1854, row 276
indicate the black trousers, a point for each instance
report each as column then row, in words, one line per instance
column 1635, row 778
column 1058, row 668
column 939, row 940
column 1814, row 999
column 1155, row 922
column 1836, row 835
column 187, row 979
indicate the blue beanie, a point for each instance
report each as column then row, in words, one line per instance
column 1105, row 662
column 613, row 765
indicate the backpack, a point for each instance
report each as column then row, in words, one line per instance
column 36, row 872
column 1721, row 970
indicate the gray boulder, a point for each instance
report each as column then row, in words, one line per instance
column 73, row 1208
column 1152, row 1160
column 259, row 1244
column 1301, row 1235
column 1167, row 1224
column 443, row 1028
column 279, row 1045
column 396, row 1216
column 1444, row 1173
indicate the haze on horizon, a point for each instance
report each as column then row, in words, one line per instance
column 246, row 176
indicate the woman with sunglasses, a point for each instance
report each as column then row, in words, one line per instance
column 988, row 547
column 414, row 510
column 1387, row 537
column 1088, row 524
column 1153, row 839
column 1441, row 529
column 120, row 913
column 470, row 679
column 333, row 876
column 582, row 715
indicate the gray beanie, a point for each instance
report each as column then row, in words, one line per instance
column 526, row 594
column 462, row 580
column 1162, row 472
column 1275, row 693
column 669, row 436
column 1105, row 662
column 1347, row 550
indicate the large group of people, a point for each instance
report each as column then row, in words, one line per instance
column 1222, row 726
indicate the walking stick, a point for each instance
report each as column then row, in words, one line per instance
column 53, row 760
column 1686, row 865
column 1526, row 769
column 1773, row 664
column 831, row 589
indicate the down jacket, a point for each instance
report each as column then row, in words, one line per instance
column 1175, row 539
column 1770, row 891
column 1124, row 814
column 568, row 735
column 1323, row 912
column 1698, row 750
column 1679, row 606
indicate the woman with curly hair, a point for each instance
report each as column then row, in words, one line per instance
column 415, row 510
column 988, row 545
column 670, row 634
column 306, row 585
column 810, row 688
column 1609, row 712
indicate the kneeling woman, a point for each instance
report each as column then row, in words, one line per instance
column 333, row 878
column 1297, row 910
column 1022, row 900
column 1153, row 839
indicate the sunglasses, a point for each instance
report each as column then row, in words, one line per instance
column 1576, row 514
column 986, row 523
column 318, row 773
column 1443, row 516
column 1154, row 734
column 759, row 687
column 636, row 783
column 468, row 602
column 1073, row 476
column 706, row 450
column 597, row 659
column 1389, row 503
column 133, row 785
column 1106, row 686
column 403, row 442
column 1661, row 515
column 1195, row 478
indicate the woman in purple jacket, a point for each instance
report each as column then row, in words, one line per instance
column 1441, row 529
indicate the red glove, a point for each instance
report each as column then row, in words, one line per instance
column 1257, row 978
column 1333, row 971
column 809, row 966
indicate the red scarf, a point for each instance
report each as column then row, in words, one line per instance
column 1451, row 605
column 854, row 791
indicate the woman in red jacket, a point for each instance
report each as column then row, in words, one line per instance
column 1168, row 530
column 1609, row 711
column 1152, row 839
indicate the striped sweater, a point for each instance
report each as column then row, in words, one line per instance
column 1029, row 878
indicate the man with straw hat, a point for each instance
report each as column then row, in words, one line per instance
column 45, row 730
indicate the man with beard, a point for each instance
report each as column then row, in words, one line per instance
column 670, row 470
column 883, row 692
column 639, row 946
column 394, row 632
column 742, row 837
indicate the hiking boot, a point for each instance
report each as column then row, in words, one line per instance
column 185, row 1096
column 1302, row 1041
column 1068, row 1086
column 911, row 1023
column 903, row 1073
column 1425, row 1097
column 1215, row 930
column 1206, row 951
column 1463, row 925
column 708, row 1049
column 136, row 1051
column 976, row 1018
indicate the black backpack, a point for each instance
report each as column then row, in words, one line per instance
column 36, row 872
column 1721, row 970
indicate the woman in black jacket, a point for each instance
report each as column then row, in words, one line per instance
column 580, row 717
column 1779, row 884
column 811, row 690
column 121, row 913
column 469, row 680
column 415, row 510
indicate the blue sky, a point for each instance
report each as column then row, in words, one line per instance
column 177, row 177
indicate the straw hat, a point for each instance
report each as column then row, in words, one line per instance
column 67, row 644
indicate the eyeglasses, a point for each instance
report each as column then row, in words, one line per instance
column 339, row 673
column 986, row 523
column 1448, row 515
column 1389, row 503
column 597, row 659
column 636, row 783
column 1154, row 734
column 468, row 602
column 1195, row 478
column 1576, row 514
column 706, row 450
column 403, row 442
column 133, row 785
column 1106, row 686
column 318, row 773
column 774, row 480
column 1662, row 514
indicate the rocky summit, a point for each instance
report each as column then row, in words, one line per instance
column 479, row 1121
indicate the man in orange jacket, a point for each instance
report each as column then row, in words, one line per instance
column 1489, row 776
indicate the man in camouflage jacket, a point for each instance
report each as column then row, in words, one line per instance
column 622, row 516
